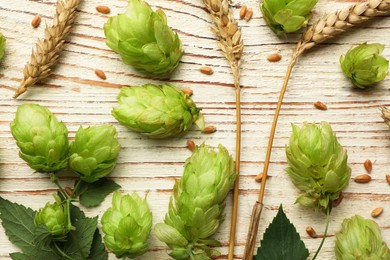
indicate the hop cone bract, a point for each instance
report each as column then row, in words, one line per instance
column 127, row 225
column 43, row 141
column 94, row 152
column 286, row 16
column 157, row 111
column 317, row 164
column 360, row 238
column 143, row 39
column 2, row 45
column 196, row 207
column 56, row 218
column 364, row 65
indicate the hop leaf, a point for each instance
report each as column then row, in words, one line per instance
column 127, row 225
column 2, row 45
column 55, row 217
column 286, row 16
column 364, row 65
column 360, row 238
column 195, row 210
column 143, row 39
column 94, row 152
column 43, row 141
column 157, row 111
column 317, row 164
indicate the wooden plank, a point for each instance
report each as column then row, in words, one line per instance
column 78, row 97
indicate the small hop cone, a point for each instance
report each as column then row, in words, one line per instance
column 360, row 238
column 56, row 218
column 386, row 115
column 287, row 16
column 2, row 46
column 94, row 152
column 157, row 111
column 143, row 39
column 364, row 65
column 127, row 225
column 196, row 207
column 43, row 141
column 317, row 164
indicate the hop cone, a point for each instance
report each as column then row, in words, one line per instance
column 317, row 164
column 127, row 225
column 195, row 209
column 2, row 46
column 56, row 218
column 364, row 65
column 143, row 39
column 360, row 239
column 286, row 16
column 94, row 152
column 43, row 141
column 157, row 111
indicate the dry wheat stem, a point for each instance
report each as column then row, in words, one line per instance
column 230, row 42
column 47, row 50
column 326, row 27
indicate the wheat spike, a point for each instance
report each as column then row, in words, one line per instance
column 330, row 25
column 231, row 44
column 47, row 50
column 228, row 33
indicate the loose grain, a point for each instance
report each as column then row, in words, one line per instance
column 36, row 21
column 376, row 212
column 103, row 9
column 363, row 178
column 100, row 74
column 319, row 105
column 206, row 70
column 368, row 166
column 274, row 57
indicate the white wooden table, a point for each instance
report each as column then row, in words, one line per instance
column 77, row 96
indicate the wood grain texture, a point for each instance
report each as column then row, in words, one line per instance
column 78, row 97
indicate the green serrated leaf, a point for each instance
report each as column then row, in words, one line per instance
column 79, row 241
column 18, row 222
column 19, row 256
column 98, row 251
column 92, row 194
column 281, row 241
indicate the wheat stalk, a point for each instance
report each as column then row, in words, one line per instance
column 230, row 42
column 326, row 27
column 47, row 50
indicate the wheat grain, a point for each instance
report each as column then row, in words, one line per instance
column 329, row 25
column 46, row 52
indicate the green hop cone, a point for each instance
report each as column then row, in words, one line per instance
column 286, row 16
column 317, row 164
column 143, row 39
column 2, row 46
column 196, row 207
column 55, row 217
column 157, row 111
column 127, row 225
column 94, row 152
column 364, row 65
column 360, row 238
column 43, row 141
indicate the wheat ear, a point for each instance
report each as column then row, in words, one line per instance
column 47, row 50
column 326, row 27
column 230, row 42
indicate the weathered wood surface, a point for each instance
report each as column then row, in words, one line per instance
column 77, row 96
